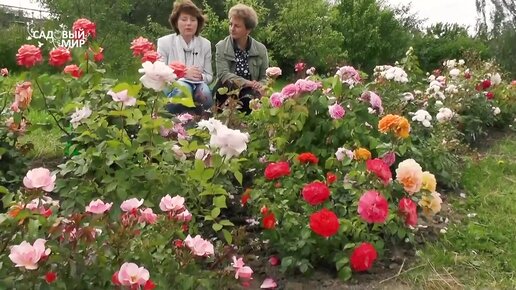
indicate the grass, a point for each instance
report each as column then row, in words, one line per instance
column 45, row 139
column 478, row 251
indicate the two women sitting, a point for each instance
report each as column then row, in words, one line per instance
column 240, row 60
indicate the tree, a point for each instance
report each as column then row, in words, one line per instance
column 303, row 31
column 372, row 34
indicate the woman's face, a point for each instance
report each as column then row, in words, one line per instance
column 187, row 25
column 237, row 28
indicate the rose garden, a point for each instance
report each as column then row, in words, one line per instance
column 343, row 173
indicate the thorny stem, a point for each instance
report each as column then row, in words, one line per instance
column 48, row 109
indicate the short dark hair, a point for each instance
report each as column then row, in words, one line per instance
column 188, row 7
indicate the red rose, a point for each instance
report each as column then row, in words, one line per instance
column 490, row 95
column 408, row 209
column 269, row 221
column 330, row 178
column 82, row 28
column 486, row 84
column 245, row 197
column 114, row 279
column 315, row 193
column 179, row 68
column 276, row 170
column 307, row 157
column 59, row 56
column 380, row 168
column 324, row 223
column 28, row 55
column 149, row 285
column 150, row 55
column 141, row 45
column 363, row 257
column 50, row 277
column 178, row 243
column 73, row 70
column 467, row 75
column 436, row 72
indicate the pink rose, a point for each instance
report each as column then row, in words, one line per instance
column 348, row 75
column 290, row 91
column 122, row 97
column 300, row 66
column 380, row 168
column 268, row 283
column 336, row 111
column 130, row 204
column 98, row 207
column 276, row 100
column 374, row 100
column 27, row 255
column 373, row 207
column 130, row 274
column 389, row 158
column 273, row 72
column 184, row 216
column 199, row 246
column 175, row 204
column 39, row 178
column 408, row 209
column 307, row 86
column 4, row 72
column 148, row 216
column 22, row 96
column 244, row 272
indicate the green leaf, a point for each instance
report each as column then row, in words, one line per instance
column 220, row 201
column 132, row 90
column 341, row 263
column 345, row 273
column 227, row 236
column 238, row 176
column 215, row 212
column 227, row 223
column 216, row 227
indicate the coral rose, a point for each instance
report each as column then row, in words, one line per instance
column 363, row 257
column 82, row 28
column 28, row 55
column 380, row 168
column 315, row 193
column 22, row 96
column 59, row 56
column 324, row 223
column 179, row 68
column 373, row 207
column 73, row 70
column 307, row 157
column 141, row 45
column 150, row 55
column 410, row 175
column 276, row 170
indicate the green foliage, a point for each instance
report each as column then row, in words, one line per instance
column 372, row 35
column 444, row 41
column 303, row 32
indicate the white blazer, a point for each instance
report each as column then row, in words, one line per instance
column 172, row 47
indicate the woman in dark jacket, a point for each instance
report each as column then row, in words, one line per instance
column 241, row 61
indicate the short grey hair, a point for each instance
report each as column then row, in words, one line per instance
column 245, row 13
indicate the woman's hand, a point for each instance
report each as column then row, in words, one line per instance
column 257, row 86
column 193, row 73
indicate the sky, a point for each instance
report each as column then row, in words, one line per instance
column 447, row 11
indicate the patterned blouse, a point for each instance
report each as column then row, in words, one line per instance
column 242, row 61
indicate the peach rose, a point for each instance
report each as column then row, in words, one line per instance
column 431, row 204
column 362, row 154
column 22, row 95
column 410, row 175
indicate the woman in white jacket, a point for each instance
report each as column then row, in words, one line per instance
column 194, row 51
